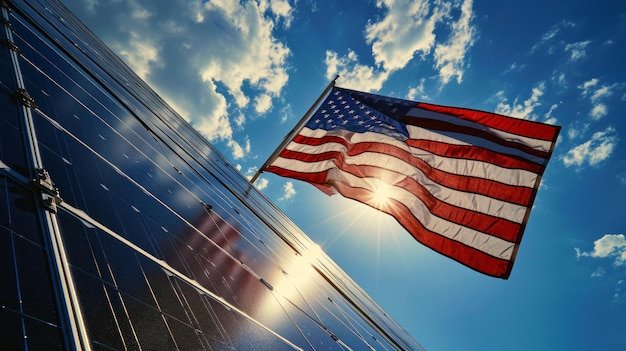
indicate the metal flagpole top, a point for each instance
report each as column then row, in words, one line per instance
column 296, row 129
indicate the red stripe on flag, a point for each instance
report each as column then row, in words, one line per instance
column 472, row 152
column 513, row 125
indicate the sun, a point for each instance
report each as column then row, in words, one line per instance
column 381, row 192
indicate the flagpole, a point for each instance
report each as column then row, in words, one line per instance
column 294, row 131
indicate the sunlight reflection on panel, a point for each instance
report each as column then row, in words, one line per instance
column 296, row 278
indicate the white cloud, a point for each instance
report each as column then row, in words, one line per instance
column 450, row 57
column 353, row 73
column 418, row 92
column 406, row 30
column 599, row 272
column 251, row 171
column 286, row 112
column 288, row 191
column 239, row 151
column 515, row 67
column 261, row 183
column 577, row 129
column 262, row 103
column 522, row 109
column 610, row 245
column 139, row 53
column 240, row 120
column 593, row 151
column 598, row 111
column 560, row 79
column 280, row 8
column 601, row 92
column 548, row 118
column 597, row 94
column 548, row 36
column 577, row 50
column 252, row 55
column 573, row 133
column 198, row 54
column 588, row 85
column 618, row 291
column 90, row 5
column 622, row 178
column 212, row 123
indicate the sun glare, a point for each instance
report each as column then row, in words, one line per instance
column 380, row 195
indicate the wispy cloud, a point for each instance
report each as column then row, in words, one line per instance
column 622, row 178
column 577, row 129
column 515, row 67
column 599, row 272
column 548, row 37
column 521, row 109
column 405, row 31
column 618, row 291
column 549, row 118
column 577, row 50
column 598, row 148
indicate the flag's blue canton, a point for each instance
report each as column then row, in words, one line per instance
column 340, row 111
column 392, row 107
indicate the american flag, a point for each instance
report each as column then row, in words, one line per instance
column 461, row 181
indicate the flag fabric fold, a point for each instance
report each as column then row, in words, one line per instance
column 461, row 181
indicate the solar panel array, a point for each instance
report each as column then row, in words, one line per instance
column 121, row 227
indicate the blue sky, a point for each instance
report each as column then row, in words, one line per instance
column 244, row 72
